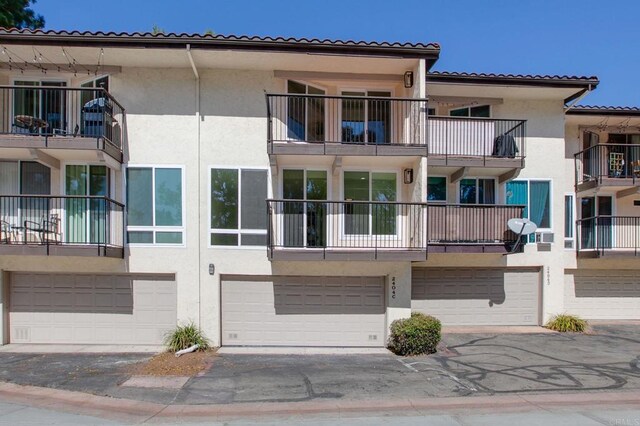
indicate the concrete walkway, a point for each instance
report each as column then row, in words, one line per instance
column 130, row 411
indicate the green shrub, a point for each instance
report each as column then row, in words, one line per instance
column 417, row 335
column 185, row 336
column 564, row 322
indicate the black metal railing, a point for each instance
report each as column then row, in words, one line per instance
column 346, row 225
column 471, row 223
column 476, row 137
column 386, row 225
column 51, row 111
column 367, row 120
column 616, row 161
column 603, row 234
column 62, row 220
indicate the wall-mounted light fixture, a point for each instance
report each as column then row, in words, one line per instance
column 408, row 176
column 212, row 269
column 408, row 79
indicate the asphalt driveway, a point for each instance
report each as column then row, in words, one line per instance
column 467, row 365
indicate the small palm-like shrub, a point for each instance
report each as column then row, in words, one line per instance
column 565, row 322
column 417, row 335
column 186, row 336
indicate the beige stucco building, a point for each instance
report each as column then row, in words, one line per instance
column 299, row 192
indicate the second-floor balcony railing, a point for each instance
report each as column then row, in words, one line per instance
column 480, row 138
column 59, row 111
column 87, row 222
column 609, row 163
column 346, row 120
column 472, row 224
column 386, row 227
column 603, row 235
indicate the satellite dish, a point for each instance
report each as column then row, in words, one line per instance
column 522, row 226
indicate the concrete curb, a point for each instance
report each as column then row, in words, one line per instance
column 127, row 410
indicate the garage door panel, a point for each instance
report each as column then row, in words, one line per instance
column 478, row 296
column 593, row 295
column 87, row 309
column 304, row 311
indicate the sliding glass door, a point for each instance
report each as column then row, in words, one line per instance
column 37, row 110
column 366, row 120
column 86, row 219
column 366, row 218
column 305, row 220
column 305, row 115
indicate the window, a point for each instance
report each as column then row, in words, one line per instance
column 155, row 213
column 437, row 188
column 366, row 121
column 477, row 191
column 238, row 209
column 370, row 219
column 568, row 221
column 483, row 111
column 304, row 223
column 49, row 105
column 305, row 115
column 536, row 196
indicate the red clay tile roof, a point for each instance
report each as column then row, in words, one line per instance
column 213, row 41
column 519, row 79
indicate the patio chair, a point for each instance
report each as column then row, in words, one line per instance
column 5, row 232
column 48, row 230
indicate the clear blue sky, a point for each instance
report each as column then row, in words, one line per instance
column 575, row 37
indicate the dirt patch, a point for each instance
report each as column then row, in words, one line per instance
column 166, row 364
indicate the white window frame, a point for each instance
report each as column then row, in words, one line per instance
column 573, row 221
column 476, row 178
column 399, row 224
column 551, row 208
column 446, row 189
column 155, row 228
column 306, row 109
column 239, row 231
column 366, row 90
column 468, row 107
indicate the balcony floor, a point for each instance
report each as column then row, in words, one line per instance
column 60, row 250
column 290, row 253
column 334, row 148
column 53, row 144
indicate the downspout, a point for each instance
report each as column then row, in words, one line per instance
column 197, row 87
column 584, row 93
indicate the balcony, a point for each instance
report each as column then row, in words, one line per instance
column 615, row 166
column 608, row 235
column 471, row 228
column 360, row 230
column 34, row 118
column 61, row 226
column 346, row 125
column 476, row 142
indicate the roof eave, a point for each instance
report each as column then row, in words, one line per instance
column 428, row 52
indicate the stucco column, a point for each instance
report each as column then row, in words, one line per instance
column 398, row 285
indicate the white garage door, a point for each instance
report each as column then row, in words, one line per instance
column 303, row 311
column 91, row 309
column 477, row 296
column 606, row 294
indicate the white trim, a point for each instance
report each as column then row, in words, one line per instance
column 304, row 170
column 366, row 89
column 154, row 228
column 239, row 231
column 574, row 230
column 469, row 106
column 399, row 224
column 496, row 186
column 551, row 208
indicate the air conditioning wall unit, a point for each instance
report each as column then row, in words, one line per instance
column 544, row 237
